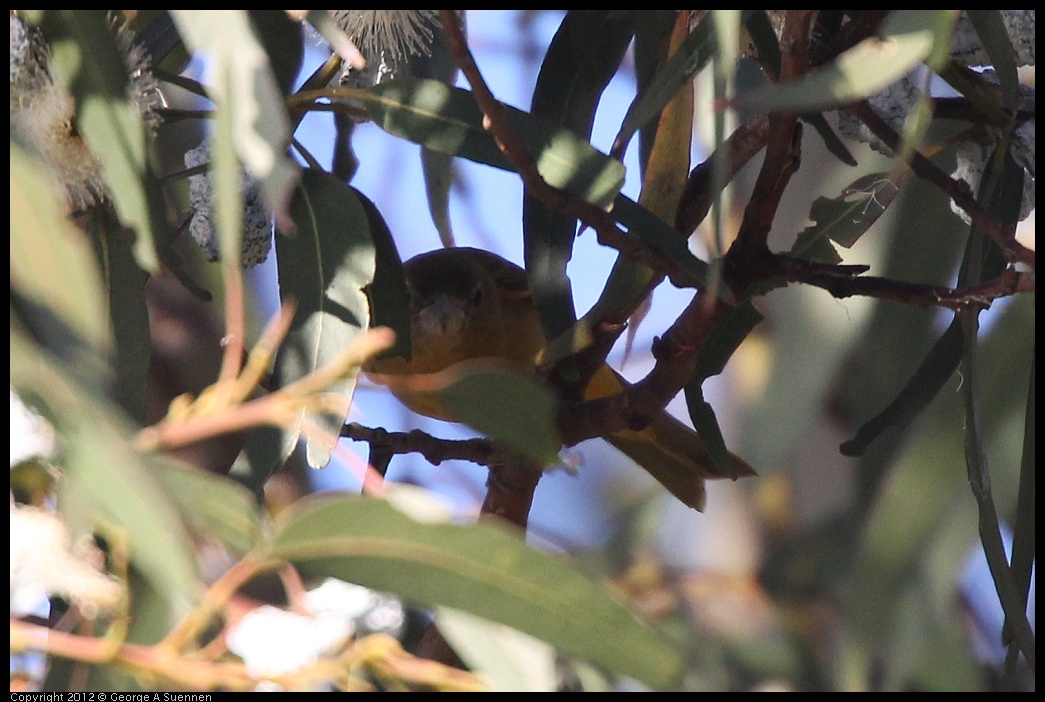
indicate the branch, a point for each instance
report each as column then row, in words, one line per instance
column 846, row 281
column 433, row 449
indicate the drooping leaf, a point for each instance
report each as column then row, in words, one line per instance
column 105, row 483
column 995, row 38
column 88, row 62
column 51, row 264
column 509, row 660
column 283, row 40
column 906, row 39
column 125, row 284
column 583, row 56
column 844, row 219
column 480, row 569
column 245, row 81
column 725, row 338
column 493, row 398
column 209, row 505
column 447, row 119
column 982, row 260
column 324, row 266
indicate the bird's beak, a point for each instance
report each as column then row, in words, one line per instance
column 441, row 317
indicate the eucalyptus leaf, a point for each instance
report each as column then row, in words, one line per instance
column 324, row 265
column 46, row 249
column 210, row 505
column 508, row 407
column 845, row 218
column 246, row 82
column 88, row 62
column 125, row 285
column 583, row 56
column 105, row 483
column 906, row 39
column 691, row 56
column 478, row 568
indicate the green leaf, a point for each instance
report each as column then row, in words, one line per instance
column 509, row 660
column 125, row 285
column 506, row 406
column 89, row 63
column 51, row 264
column 105, row 482
column 583, row 56
column 209, row 505
column 283, row 41
column 844, row 219
column 324, row 265
column 478, row 568
column 905, row 40
column 995, row 37
column 246, row 82
column 447, row 119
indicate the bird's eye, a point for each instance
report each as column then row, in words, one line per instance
column 477, row 296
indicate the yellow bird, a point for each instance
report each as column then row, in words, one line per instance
column 468, row 304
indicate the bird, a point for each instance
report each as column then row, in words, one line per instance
column 469, row 304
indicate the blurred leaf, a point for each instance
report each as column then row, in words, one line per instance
column 702, row 414
column 246, row 82
column 729, row 332
column 583, row 56
column 995, row 37
column 448, row 120
column 209, row 505
column 509, row 660
column 478, row 568
column 489, row 396
column 652, row 31
column 832, row 141
column 87, row 60
column 51, row 263
column 388, row 294
column 844, row 219
column 125, row 285
column 982, row 260
column 905, row 40
column 508, row 407
column 283, row 41
column 105, row 483
column 324, row 265
column 664, row 178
